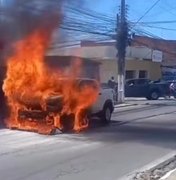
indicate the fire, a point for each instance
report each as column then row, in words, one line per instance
column 39, row 98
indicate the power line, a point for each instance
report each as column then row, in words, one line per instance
column 148, row 33
column 157, row 27
column 156, row 22
column 83, row 20
column 147, row 11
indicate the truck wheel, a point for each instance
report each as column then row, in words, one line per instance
column 154, row 95
column 106, row 114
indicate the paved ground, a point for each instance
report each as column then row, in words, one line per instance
column 172, row 176
column 138, row 135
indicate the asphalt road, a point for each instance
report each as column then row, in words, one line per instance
column 137, row 136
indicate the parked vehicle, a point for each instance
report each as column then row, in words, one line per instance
column 146, row 88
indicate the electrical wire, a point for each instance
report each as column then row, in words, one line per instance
column 147, row 12
column 83, row 23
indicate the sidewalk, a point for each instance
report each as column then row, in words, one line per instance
column 131, row 102
column 172, row 176
column 128, row 102
column 125, row 105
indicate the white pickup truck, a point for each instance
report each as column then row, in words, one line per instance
column 103, row 107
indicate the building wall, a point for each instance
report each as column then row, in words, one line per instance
column 88, row 68
column 109, row 68
column 139, row 59
column 168, row 47
column 110, row 52
column 139, row 52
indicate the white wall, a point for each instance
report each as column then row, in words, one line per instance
column 139, row 52
column 103, row 52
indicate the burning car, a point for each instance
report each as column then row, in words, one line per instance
column 59, row 112
column 37, row 98
column 40, row 99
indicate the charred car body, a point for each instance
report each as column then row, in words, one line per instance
column 53, row 113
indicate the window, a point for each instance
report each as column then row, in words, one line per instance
column 130, row 74
column 143, row 74
column 88, row 83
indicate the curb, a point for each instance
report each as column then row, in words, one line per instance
column 151, row 166
column 171, row 175
column 124, row 105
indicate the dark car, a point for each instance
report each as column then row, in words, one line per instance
column 146, row 88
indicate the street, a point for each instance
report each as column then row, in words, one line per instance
column 138, row 135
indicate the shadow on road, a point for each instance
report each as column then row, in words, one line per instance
column 163, row 135
column 154, row 133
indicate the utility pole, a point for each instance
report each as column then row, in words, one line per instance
column 122, row 35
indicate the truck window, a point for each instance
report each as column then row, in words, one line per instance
column 89, row 83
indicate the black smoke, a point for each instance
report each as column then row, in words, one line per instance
column 21, row 17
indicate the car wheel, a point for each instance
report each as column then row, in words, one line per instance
column 67, row 122
column 106, row 114
column 148, row 98
column 154, row 95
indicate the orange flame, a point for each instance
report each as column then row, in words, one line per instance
column 30, row 81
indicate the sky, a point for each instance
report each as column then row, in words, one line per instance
column 165, row 10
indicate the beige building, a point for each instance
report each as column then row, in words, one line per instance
column 134, row 69
column 139, row 60
column 168, row 47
